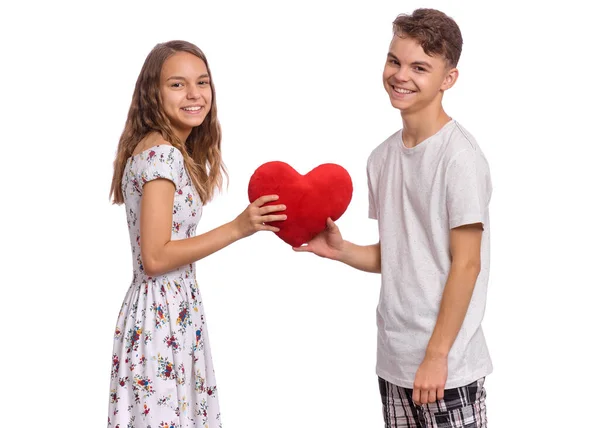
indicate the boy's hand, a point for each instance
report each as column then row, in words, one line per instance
column 328, row 244
column 430, row 380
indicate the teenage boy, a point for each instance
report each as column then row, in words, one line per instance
column 429, row 189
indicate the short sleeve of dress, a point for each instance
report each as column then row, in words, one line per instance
column 162, row 161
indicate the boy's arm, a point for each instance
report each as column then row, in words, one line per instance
column 362, row 257
column 465, row 248
column 331, row 245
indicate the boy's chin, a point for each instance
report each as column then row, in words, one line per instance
column 402, row 106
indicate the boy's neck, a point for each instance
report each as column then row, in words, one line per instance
column 419, row 126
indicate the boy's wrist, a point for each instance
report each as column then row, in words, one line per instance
column 342, row 253
column 436, row 352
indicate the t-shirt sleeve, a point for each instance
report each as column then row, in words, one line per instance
column 161, row 162
column 372, row 200
column 468, row 189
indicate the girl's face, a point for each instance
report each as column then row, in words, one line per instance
column 185, row 92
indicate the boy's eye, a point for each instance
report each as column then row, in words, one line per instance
column 393, row 61
column 419, row 68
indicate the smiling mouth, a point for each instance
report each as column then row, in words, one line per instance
column 192, row 109
column 402, row 90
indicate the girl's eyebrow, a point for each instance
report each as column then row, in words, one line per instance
column 183, row 78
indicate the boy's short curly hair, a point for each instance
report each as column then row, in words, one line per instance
column 436, row 32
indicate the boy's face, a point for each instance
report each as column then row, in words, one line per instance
column 413, row 79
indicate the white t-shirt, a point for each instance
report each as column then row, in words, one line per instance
column 417, row 195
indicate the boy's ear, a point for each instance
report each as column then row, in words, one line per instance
column 450, row 79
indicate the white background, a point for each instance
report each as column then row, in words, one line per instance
column 293, row 335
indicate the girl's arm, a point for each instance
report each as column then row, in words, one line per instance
column 160, row 254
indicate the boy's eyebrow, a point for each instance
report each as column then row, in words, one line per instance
column 426, row 64
column 423, row 63
column 183, row 78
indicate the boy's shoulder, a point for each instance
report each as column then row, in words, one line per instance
column 451, row 140
column 382, row 149
column 459, row 140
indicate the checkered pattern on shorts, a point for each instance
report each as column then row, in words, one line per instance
column 462, row 407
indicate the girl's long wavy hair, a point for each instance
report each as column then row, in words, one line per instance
column 202, row 149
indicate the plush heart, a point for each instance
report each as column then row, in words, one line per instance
column 324, row 192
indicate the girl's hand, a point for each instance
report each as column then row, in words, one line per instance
column 257, row 216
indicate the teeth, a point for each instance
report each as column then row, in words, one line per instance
column 403, row 91
column 192, row 108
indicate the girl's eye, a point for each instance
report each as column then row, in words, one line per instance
column 176, row 85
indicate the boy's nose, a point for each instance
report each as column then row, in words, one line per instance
column 402, row 74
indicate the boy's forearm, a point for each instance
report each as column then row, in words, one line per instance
column 453, row 308
column 363, row 257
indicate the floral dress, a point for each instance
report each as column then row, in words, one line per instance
column 162, row 374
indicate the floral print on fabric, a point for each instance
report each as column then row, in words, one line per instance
column 161, row 373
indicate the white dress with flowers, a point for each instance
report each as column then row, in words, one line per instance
column 162, row 374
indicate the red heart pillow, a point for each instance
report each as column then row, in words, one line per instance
column 324, row 192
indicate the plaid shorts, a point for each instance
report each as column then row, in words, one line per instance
column 462, row 407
